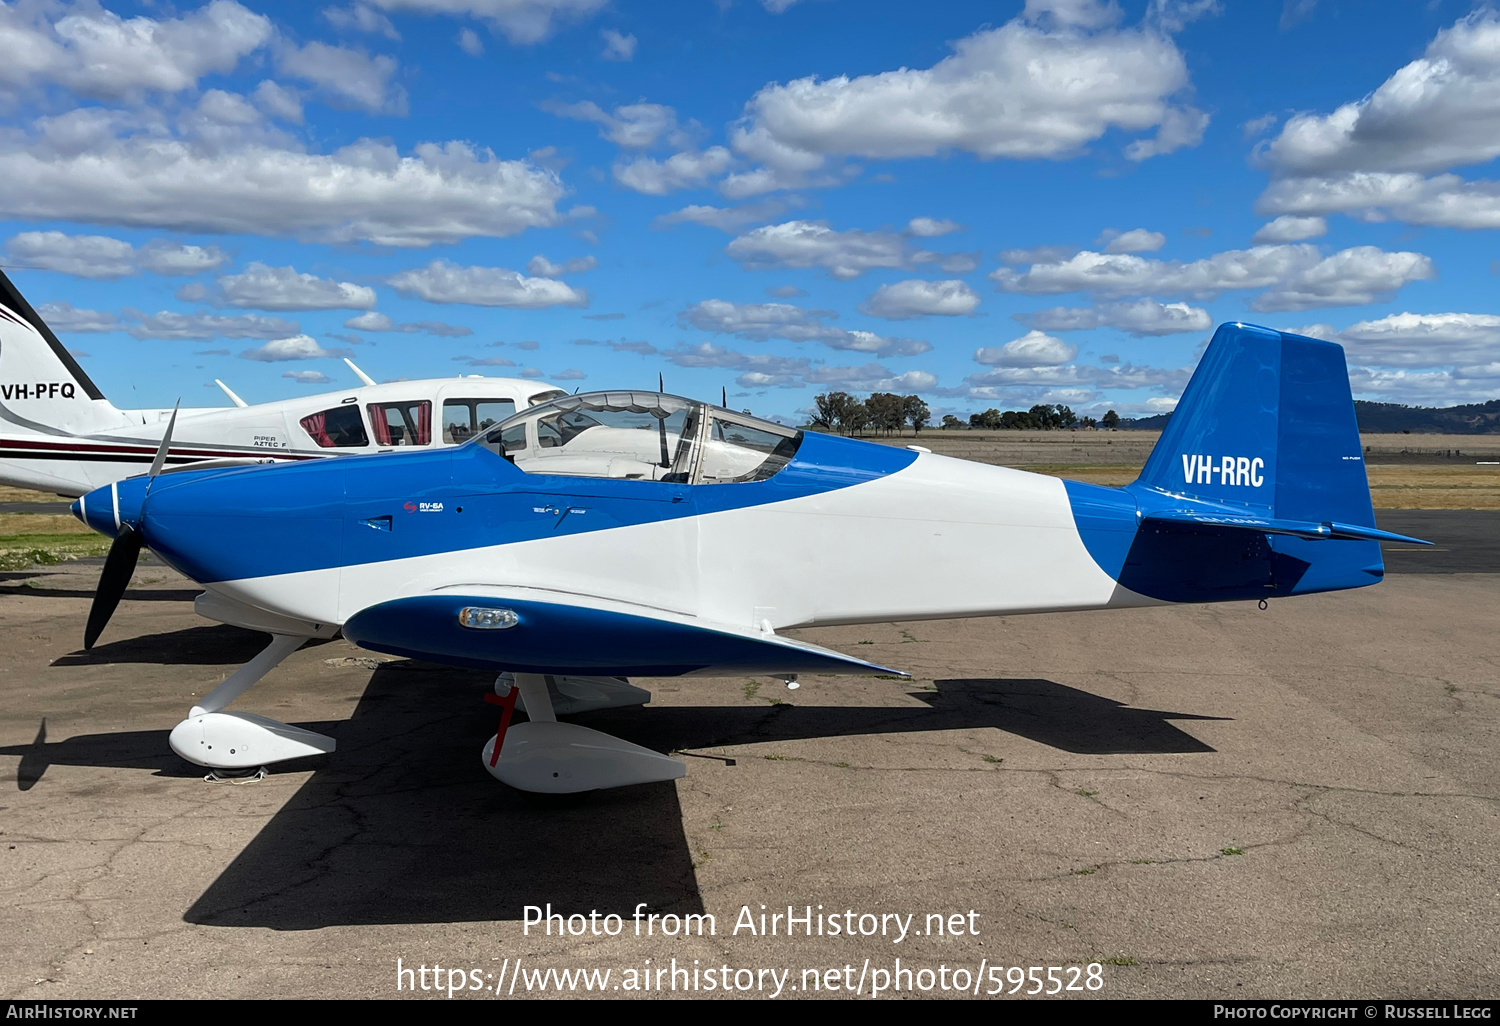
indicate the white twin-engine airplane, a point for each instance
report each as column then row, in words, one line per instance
column 59, row 434
column 615, row 534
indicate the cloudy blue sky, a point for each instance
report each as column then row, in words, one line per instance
column 989, row 204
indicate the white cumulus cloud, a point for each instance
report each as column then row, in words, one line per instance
column 1298, row 277
column 360, row 18
column 1424, row 340
column 870, row 377
column 83, row 167
column 285, row 288
column 1137, row 240
column 633, row 126
column 1140, row 317
column 1442, row 201
column 521, row 21
column 686, row 170
column 1033, row 349
column 445, row 282
column 297, row 347
column 83, row 256
column 470, row 43
column 200, row 327
column 930, row 227
column 725, row 219
column 1290, row 228
column 1440, row 111
column 99, row 256
column 617, row 46
column 98, row 54
column 544, row 268
column 844, row 255
column 68, row 319
column 1388, row 154
column 762, row 321
column 916, row 298
column 349, row 78
column 1041, row 86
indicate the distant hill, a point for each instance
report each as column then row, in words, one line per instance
column 1389, row 419
column 1155, row 423
column 1393, row 418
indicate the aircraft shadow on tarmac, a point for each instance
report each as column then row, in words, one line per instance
column 401, row 824
column 207, row 646
column 21, row 588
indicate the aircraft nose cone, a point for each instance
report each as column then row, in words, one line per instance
column 106, row 509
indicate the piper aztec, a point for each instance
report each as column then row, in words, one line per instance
column 59, row 434
column 598, row 537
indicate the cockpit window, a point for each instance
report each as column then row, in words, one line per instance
column 463, row 418
column 408, row 423
column 738, row 451
column 642, row 436
column 338, row 428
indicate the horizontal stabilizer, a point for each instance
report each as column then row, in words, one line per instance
column 530, row 630
column 1272, row 525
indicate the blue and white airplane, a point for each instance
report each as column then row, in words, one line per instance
column 603, row 536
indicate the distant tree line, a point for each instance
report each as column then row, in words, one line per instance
column 882, row 413
column 887, row 413
column 1392, row 418
column 1041, row 417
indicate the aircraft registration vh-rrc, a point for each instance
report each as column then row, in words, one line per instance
column 604, row 536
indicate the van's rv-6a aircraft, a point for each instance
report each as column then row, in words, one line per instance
column 603, row 536
column 59, row 434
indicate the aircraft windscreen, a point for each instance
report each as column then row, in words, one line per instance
column 642, row 436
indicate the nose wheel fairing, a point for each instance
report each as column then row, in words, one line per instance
column 236, row 741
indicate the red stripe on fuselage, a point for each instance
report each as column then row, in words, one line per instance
column 18, row 447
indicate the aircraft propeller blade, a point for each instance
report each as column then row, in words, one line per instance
column 119, row 565
column 724, row 396
column 161, row 450
column 660, row 385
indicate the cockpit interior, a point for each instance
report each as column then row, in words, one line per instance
column 646, row 436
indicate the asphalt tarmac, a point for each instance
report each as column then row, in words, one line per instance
column 1464, row 540
column 1203, row 801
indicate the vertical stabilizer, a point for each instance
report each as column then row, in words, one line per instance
column 42, row 387
column 1267, row 422
column 1258, row 484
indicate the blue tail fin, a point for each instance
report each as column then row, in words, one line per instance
column 1266, row 423
column 1258, row 472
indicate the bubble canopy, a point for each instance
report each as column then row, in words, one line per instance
column 647, row 436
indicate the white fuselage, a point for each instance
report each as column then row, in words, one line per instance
column 940, row 538
column 72, row 445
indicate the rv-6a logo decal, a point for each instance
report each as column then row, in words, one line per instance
column 1240, row 471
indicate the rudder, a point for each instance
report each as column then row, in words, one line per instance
column 42, row 387
column 1267, row 423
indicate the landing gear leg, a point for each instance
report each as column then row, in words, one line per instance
column 237, row 741
column 561, row 758
column 571, row 695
